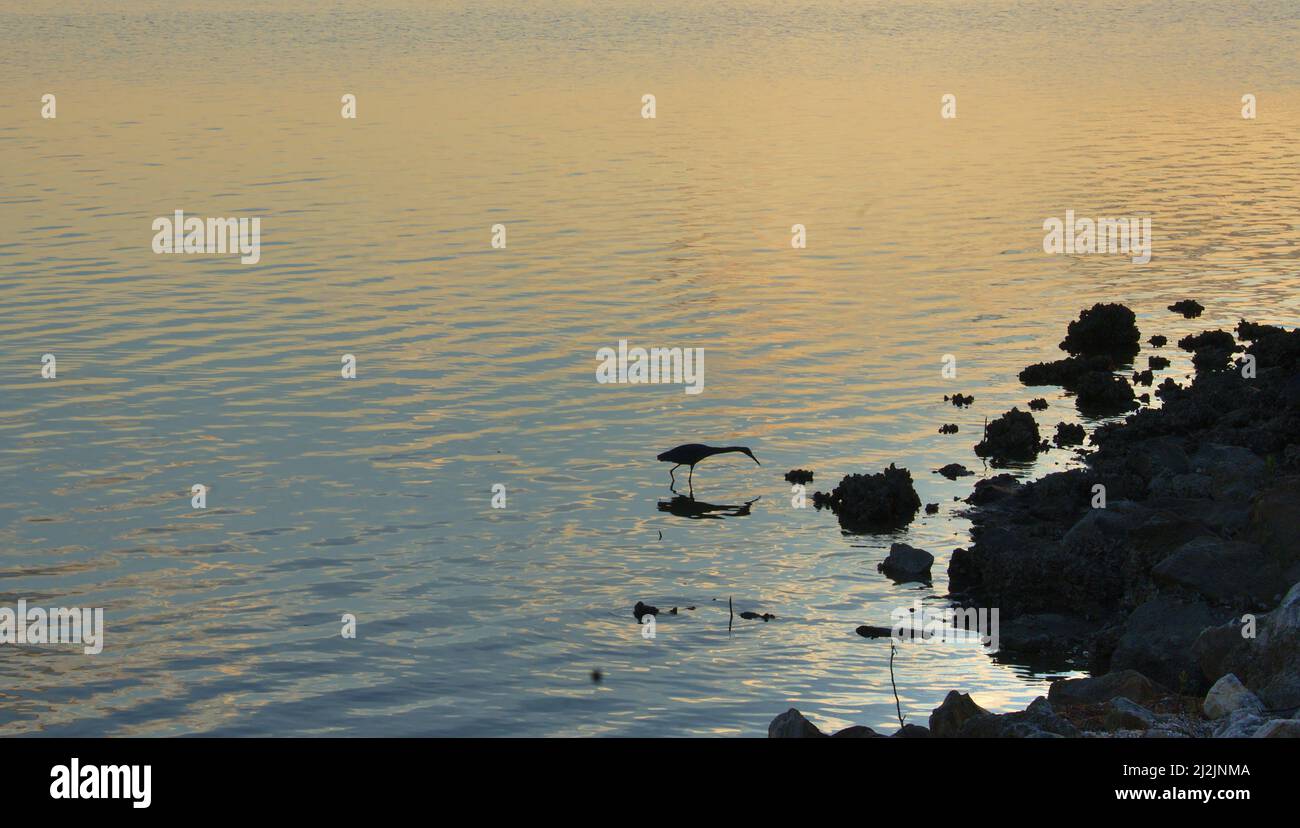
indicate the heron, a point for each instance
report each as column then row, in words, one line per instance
column 692, row 453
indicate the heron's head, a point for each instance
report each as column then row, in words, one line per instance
column 751, row 455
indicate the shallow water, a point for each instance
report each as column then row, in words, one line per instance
column 476, row 366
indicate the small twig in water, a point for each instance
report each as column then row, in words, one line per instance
column 898, row 707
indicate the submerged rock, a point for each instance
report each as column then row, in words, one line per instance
column 1189, row 308
column 1158, row 341
column 1013, row 436
column 1038, row 404
column 959, row 400
column 799, row 476
column 754, row 616
column 907, row 562
column 643, row 609
column 952, row 471
column 871, row 502
column 1157, row 363
column 1069, row 434
column 948, row 428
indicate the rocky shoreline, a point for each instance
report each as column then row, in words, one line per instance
column 1168, row 567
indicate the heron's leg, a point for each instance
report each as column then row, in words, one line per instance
column 691, row 482
column 673, row 477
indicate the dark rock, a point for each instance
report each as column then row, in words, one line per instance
column 911, row 731
column 1189, row 308
column 872, row 502
column 957, row 708
column 1065, row 372
column 1108, row 329
column 1129, row 684
column 1211, row 359
column 792, row 725
column 993, row 489
column 1217, row 648
column 1220, row 340
column 1042, row 637
column 1100, row 393
column 1038, row 404
column 799, row 476
column 907, row 563
column 868, row 631
column 1158, row 341
column 643, row 609
column 948, row 428
column 932, row 508
column 1037, row 721
column 1013, row 436
column 1157, row 363
column 1124, row 714
column 857, row 732
column 1157, row 641
column 1269, row 664
column 1275, row 523
column 754, row 616
column 959, row 400
column 1234, row 573
column 1069, row 434
column 952, row 471
column 1143, row 377
column 963, row 574
column 1252, row 331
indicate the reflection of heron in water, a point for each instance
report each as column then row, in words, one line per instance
column 689, row 507
column 692, row 453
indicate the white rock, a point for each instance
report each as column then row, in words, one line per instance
column 1238, row 724
column 1228, row 695
column 1280, row 729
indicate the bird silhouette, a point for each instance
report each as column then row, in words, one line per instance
column 692, row 453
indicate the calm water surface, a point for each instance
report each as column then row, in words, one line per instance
column 476, row 366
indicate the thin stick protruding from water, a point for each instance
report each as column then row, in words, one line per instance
column 898, row 707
